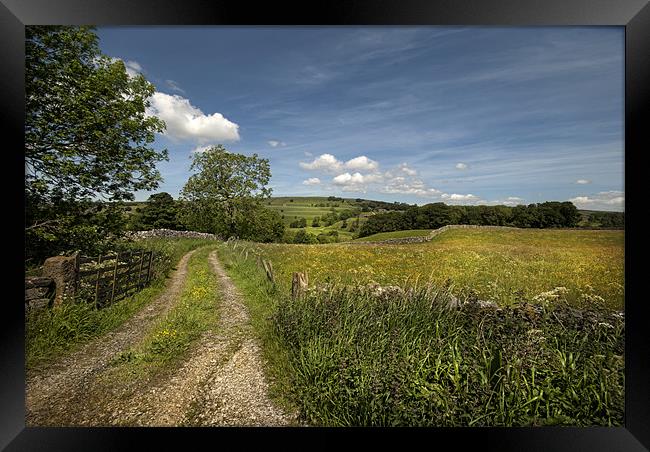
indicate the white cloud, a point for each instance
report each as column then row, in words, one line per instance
column 199, row 149
column 583, row 181
column 276, row 143
column 461, row 166
column 356, row 182
column 308, row 154
column 362, row 163
column 457, row 197
column 604, row 200
column 185, row 121
column 311, row 181
column 174, row 86
column 509, row 201
column 409, row 186
column 405, row 169
column 330, row 164
column 324, row 162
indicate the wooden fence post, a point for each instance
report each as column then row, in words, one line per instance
column 150, row 265
column 299, row 284
column 269, row 270
column 99, row 272
column 117, row 260
column 140, row 270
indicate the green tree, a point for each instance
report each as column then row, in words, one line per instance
column 224, row 191
column 303, row 236
column 265, row 225
column 160, row 212
column 87, row 138
column 299, row 223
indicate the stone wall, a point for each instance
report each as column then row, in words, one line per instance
column 170, row 233
column 39, row 292
column 434, row 233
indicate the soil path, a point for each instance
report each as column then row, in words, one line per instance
column 221, row 383
column 59, row 396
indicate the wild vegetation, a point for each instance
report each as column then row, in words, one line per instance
column 395, row 235
column 505, row 266
column 355, row 357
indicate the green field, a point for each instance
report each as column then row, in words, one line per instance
column 504, row 266
column 395, row 235
column 293, row 208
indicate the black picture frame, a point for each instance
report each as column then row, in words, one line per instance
column 634, row 15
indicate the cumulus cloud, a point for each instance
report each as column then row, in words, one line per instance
column 461, row 166
column 324, row 162
column 403, row 167
column 185, row 121
column 355, row 182
column 409, row 186
column 363, row 175
column 513, row 201
column 330, row 164
column 362, row 163
column 583, row 181
column 509, row 201
column 604, row 200
column 311, row 181
column 458, row 197
column 276, row 143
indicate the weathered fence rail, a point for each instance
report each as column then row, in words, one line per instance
column 110, row 278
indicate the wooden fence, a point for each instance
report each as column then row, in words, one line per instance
column 112, row 277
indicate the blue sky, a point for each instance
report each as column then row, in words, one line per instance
column 463, row 115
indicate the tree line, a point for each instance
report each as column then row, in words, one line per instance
column 552, row 214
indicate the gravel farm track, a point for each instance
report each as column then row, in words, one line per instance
column 220, row 382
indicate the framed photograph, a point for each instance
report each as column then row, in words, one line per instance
column 327, row 219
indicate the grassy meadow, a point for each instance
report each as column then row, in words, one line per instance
column 506, row 266
column 394, row 235
column 352, row 357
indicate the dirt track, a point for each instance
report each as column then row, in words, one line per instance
column 221, row 382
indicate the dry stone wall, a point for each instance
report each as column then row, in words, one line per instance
column 436, row 232
column 170, row 233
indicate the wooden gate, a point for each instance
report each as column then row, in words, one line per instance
column 112, row 277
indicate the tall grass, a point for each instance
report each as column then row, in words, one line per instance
column 50, row 333
column 405, row 359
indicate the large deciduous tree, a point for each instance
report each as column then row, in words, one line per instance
column 224, row 196
column 87, row 137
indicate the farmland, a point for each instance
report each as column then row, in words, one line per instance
column 503, row 266
column 293, row 208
